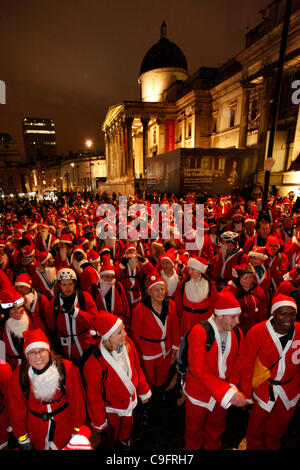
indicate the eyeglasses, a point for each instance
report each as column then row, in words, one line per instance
column 37, row 352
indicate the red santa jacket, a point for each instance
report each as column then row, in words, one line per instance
column 211, row 375
column 222, row 267
column 109, row 389
column 155, row 335
column 67, row 405
column 292, row 250
column 73, row 331
column 40, row 284
column 131, row 279
column 278, row 266
column 263, row 343
column 88, row 277
column 253, row 305
column 5, row 376
column 115, row 301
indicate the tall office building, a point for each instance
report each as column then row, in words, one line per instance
column 39, row 139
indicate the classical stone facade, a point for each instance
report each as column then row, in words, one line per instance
column 227, row 107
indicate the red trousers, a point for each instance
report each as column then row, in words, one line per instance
column 121, row 428
column 203, row 427
column 157, row 370
column 265, row 429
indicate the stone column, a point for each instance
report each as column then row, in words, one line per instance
column 129, row 153
column 266, row 107
column 106, row 140
column 145, row 122
column 244, row 116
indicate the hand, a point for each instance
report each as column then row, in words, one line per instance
column 239, row 399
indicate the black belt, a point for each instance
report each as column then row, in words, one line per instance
column 72, row 335
column 276, row 382
column 154, row 340
column 48, row 416
column 195, row 310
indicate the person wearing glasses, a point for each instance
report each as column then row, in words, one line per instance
column 46, row 398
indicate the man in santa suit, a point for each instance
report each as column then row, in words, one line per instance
column 110, row 295
column 70, row 316
column 44, row 277
column 36, row 304
column 271, row 374
column 247, row 232
column 229, row 254
column 155, row 332
column 44, row 238
column 63, row 255
column 286, row 232
column 277, row 262
column 114, row 382
column 292, row 247
column 212, row 375
column 46, row 397
column 131, row 272
column 259, row 238
column 14, row 321
column 90, row 273
column 167, row 268
column 194, row 299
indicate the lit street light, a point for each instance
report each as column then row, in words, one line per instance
column 89, row 143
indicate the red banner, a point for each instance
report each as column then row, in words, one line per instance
column 170, row 135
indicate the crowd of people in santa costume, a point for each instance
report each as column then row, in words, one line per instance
column 92, row 321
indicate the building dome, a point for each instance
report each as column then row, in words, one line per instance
column 163, row 54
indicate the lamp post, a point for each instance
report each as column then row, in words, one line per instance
column 89, row 143
column 72, row 165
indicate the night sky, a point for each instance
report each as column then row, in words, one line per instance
column 70, row 60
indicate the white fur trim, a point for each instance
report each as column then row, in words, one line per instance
column 257, row 255
column 227, row 311
column 283, row 303
column 195, row 264
column 17, row 303
column 113, row 329
column 37, row 344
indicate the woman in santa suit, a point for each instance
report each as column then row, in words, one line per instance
column 5, row 375
column 195, row 298
column 271, row 374
column 70, row 316
column 114, row 382
column 251, row 297
column 46, row 397
column 155, row 332
column 167, row 268
column 14, row 322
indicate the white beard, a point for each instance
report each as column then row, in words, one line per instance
column 29, row 298
column 197, row 290
column 213, row 238
column 171, row 282
column 17, row 327
column 72, row 228
column 4, row 261
column 50, row 274
column 45, row 385
column 44, row 235
column 105, row 286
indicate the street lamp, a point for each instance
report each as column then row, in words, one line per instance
column 72, row 165
column 89, row 143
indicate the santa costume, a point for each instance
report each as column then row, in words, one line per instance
column 48, row 412
column 211, row 378
column 114, row 382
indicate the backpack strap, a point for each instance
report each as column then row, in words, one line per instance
column 210, row 334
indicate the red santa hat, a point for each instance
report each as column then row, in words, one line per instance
column 249, row 219
column 107, row 267
column 106, row 324
column 80, row 441
column 258, row 252
column 35, row 339
column 10, row 298
column 169, row 255
column 28, row 251
column 198, row 263
column 93, row 256
column 43, row 256
column 23, row 280
column 154, row 280
column 79, row 249
column 66, row 238
column 226, row 304
column 282, row 300
column 128, row 247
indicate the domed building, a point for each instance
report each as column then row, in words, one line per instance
column 188, row 132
